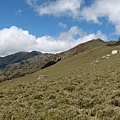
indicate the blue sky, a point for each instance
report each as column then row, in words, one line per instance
column 56, row 25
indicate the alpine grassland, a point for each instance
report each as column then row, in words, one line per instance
column 85, row 86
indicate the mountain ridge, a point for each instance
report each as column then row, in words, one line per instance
column 22, row 57
column 39, row 62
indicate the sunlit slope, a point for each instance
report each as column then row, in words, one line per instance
column 83, row 87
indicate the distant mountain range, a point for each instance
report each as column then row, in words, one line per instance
column 22, row 59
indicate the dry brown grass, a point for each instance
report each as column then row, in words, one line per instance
column 73, row 89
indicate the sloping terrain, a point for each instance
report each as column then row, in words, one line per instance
column 20, row 64
column 21, row 59
column 32, row 65
column 85, row 86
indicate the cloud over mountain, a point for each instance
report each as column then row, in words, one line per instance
column 15, row 39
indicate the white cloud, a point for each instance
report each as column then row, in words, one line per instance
column 18, row 12
column 15, row 39
column 60, row 24
column 109, row 9
column 103, row 8
column 57, row 8
column 32, row 3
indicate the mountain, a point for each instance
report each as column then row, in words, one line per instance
column 84, row 84
column 21, row 64
column 21, row 59
column 84, row 47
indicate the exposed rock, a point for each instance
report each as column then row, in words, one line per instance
column 114, row 52
column 40, row 77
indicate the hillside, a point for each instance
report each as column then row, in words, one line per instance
column 85, row 86
column 21, row 64
column 22, row 59
column 41, row 61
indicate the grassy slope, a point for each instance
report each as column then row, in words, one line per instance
column 31, row 68
column 72, row 89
